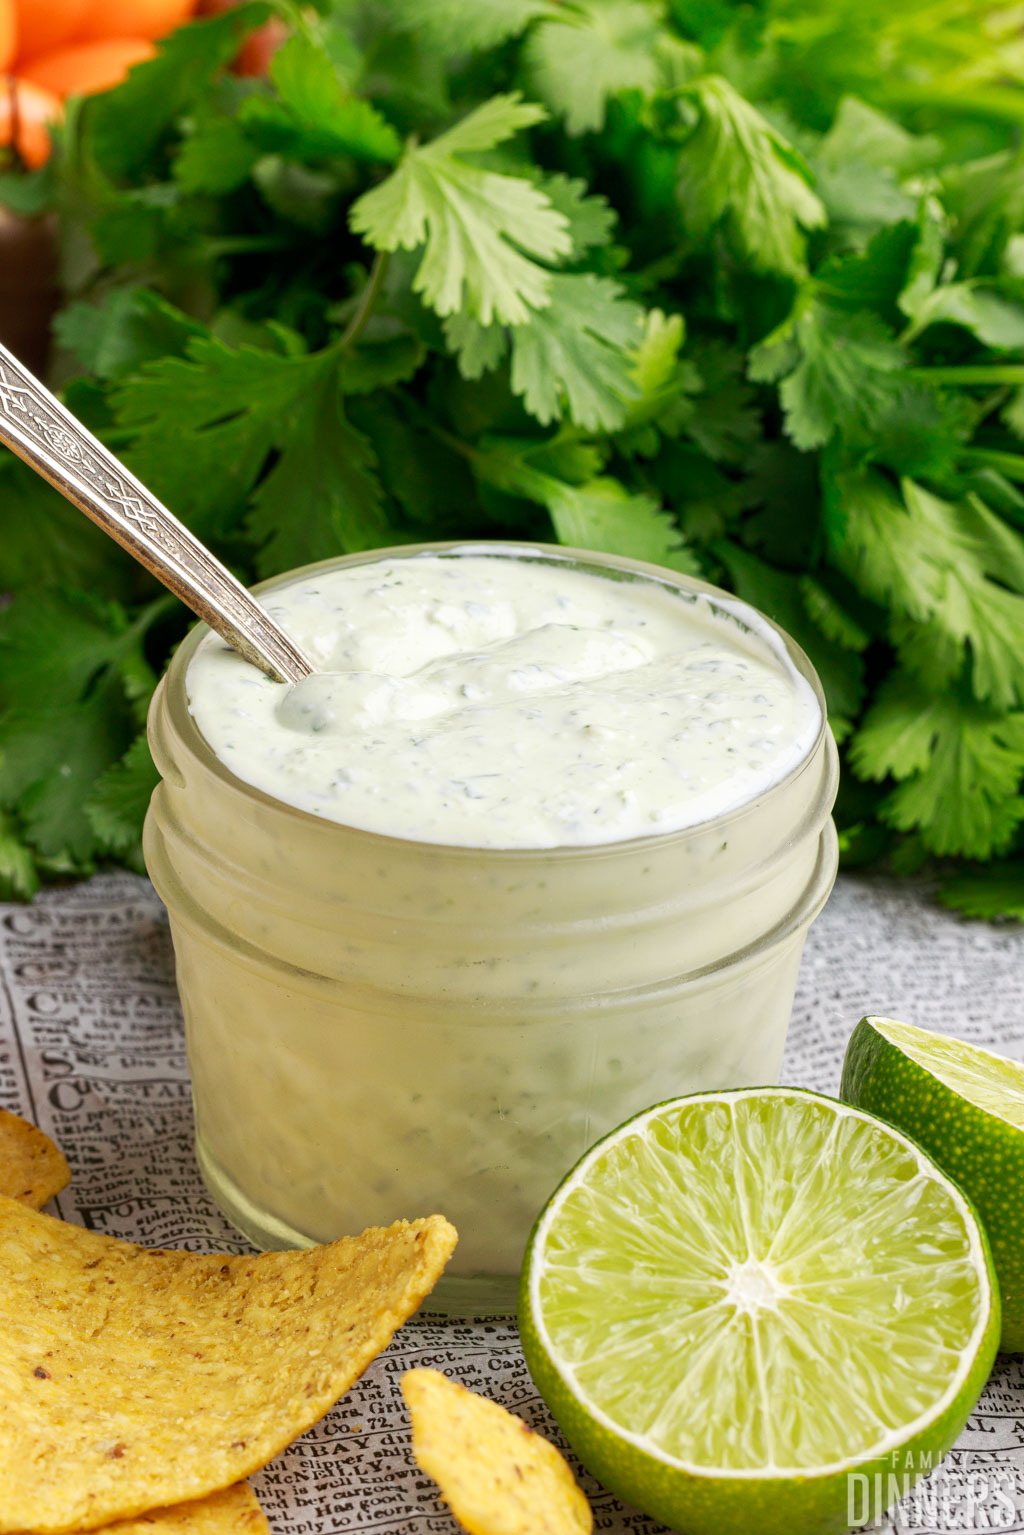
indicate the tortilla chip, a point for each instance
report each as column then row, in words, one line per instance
column 131, row 1378
column 32, row 1169
column 497, row 1474
column 235, row 1511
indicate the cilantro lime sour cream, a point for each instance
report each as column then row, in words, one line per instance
column 488, row 701
column 537, row 845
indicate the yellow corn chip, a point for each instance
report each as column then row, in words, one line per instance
column 132, row 1378
column 32, row 1169
column 497, row 1475
column 235, row 1511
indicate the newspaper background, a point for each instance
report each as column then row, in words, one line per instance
column 91, row 1049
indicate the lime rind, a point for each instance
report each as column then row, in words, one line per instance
column 731, row 1350
column 991, row 1082
column 962, row 1104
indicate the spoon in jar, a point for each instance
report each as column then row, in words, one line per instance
column 56, row 445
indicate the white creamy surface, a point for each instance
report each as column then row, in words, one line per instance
column 484, row 700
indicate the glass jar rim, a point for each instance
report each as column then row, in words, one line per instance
column 606, row 565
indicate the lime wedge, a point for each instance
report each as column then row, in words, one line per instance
column 965, row 1106
column 743, row 1307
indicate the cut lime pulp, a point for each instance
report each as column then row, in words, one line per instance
column 742, row 1307
column 965, row 1106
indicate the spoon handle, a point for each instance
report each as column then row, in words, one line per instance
column 41, row 431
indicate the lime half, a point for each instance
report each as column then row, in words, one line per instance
column 744, row 1307
column 965, row 1106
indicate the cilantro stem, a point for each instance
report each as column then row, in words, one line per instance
column 367, row 299
column 977, row 373
column 428, row 423
column 1009, row 464
column 998, row 103
column 241, row 245
column 465, row 449
column 165, row 603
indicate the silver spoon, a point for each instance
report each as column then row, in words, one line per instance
column 49, row 438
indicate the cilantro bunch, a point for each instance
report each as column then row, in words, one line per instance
column 734, row 288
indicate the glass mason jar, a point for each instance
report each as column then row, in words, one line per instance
column 379, row 1027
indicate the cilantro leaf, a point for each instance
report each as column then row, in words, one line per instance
column 602, row 514
column 926, row 258
column 735, row 167
column 52, row 757
column 998, row 891
column 299, row 194
column 985, row 198
column 204, row 424
column 782, row 596
column 467, row 26
column 785, row 492
column 322, row 497
column 666, row 385
column 64, row 714
column 919, row 430
column 836, row 370
column 315, row 116
column 137, row 677
column 835, row 621
column 126, row 124
column 46, row 541
column 959, row 765
column 412, row 463
column 655, row 365
column 574, row 357
column 932, row 563
column 128, row 327
column 473, row 223
column 566, row 457
column 706, row 502
column 590, row 51
column 590, row 219
column 876, row 276
column 862, row 165
column 512, row 362
column 53, row 644
column 860, row 132
column 117, row 806
column 18, row 877
column 137, row 227
column 217, row 157
column 861, row 197
column 599, row 513
column 477, row 348
column 725, row 421
column 381, row 359
column 993, row 320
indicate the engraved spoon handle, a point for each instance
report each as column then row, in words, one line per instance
column 41, row 431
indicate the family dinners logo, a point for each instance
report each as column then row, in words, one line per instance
column 961, row 1496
